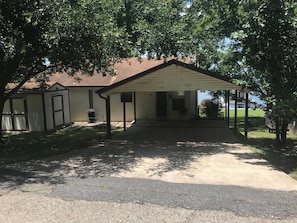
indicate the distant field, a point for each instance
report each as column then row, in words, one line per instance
column 258, row 113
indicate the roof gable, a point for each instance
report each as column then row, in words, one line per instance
column 172, row 76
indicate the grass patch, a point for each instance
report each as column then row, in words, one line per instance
column 260, row 141
column 27, row 146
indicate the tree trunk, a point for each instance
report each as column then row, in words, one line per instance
column 3, row 98
column 277, row 130
column 2, row 101
column 284, row 128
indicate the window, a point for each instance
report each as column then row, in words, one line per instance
column 178, row 104
column 126, row 97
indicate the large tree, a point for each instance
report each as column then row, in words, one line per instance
column 270, row 46
column 40, row 36
column 261, row 52
column 156, row 27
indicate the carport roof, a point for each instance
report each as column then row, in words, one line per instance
column 173, row 75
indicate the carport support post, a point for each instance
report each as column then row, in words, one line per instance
column 228, row 109
column 108, row 122
column 246, row 116
column 107, row 108
column 225, row 113
column 134, row 97
column 235, row 111
column 124, row 111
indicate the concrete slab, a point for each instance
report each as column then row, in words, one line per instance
column 194, row 130
column 199, row 152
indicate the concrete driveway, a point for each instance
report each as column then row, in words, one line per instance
column 199, row 152
column 170, row 173
column 207, row 153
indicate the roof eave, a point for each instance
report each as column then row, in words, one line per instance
column 166, row 64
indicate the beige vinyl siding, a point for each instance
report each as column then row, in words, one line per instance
column 146, row 105
column 174, row 78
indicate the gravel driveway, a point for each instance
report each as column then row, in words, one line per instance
column 172, row 177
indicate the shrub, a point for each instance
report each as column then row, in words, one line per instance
column 209, row 108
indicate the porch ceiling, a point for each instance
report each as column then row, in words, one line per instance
column 172, row 76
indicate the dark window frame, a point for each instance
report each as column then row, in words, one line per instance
column 126, row 97
column 178, row 104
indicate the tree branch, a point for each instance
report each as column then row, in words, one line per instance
column 30, row 74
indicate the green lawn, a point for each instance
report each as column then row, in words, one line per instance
column 26, row 146
column 262, row 142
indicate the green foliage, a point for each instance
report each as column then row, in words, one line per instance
column 209, row 108
column 260, row 51
column 161, row 28
column 41, row 37
column 270, row 47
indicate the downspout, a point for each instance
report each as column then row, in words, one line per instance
column 107, row 107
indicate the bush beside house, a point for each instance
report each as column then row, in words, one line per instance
column 209, row 108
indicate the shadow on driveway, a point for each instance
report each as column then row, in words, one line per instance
column 105, row 159
column 170, row 149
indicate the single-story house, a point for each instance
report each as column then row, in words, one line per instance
column 146, row 89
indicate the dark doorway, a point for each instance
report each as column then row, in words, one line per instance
column 161, row 105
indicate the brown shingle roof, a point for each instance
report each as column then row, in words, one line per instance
column 124, row 69
column 31, row 86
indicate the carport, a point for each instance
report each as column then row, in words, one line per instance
column 172, row 75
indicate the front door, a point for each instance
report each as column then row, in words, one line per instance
column 58, row 110
column 161, row 105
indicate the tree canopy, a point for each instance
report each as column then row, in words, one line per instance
column 41, row 37
column 270, row 46
column 264, row 50
column 254, row 43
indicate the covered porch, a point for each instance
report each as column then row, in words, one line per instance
column 172, row 77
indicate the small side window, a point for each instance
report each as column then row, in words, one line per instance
column 178, row 104
column 126, row 97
